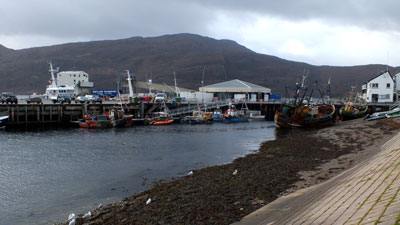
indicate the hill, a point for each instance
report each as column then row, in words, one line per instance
column 26, row 71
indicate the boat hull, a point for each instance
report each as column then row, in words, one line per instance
column 96, row 124
column 3, row 121
column 164, row 122
column 353, row 113
column 236, row 119
column 291, row 116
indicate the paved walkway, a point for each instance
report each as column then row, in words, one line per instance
column 365, row 194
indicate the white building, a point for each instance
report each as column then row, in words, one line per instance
column 77, row 79
column 238, row 90
column 379, row 89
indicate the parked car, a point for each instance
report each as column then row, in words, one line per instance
column 63, row 98
column 161, row 97
column 34, row 99
column 8, row 97
column 94, row 98
column 81, row 99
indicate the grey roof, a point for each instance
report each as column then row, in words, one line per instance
column 234, row 86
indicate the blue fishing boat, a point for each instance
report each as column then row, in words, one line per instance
column 232, row 115
column 218, row 116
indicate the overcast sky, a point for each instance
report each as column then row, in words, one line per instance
column 319, row 32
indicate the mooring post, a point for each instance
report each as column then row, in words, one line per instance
column 12, row 113
column 60, row 113
column 17, row 114
column 51, row 113
column 142, row 109
column 42, row 112
column 37, row 113
column 26, row 114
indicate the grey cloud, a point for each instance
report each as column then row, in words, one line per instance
column 371, row 14
column 101, row 19
column 98, row 19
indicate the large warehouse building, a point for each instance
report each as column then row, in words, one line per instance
column 238, row 90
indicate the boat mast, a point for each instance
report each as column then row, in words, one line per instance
column 177, row 90
column 304, row 87
column 320, row 93
column 53, row 81
column 129, row 79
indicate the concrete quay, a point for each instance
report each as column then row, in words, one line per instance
column 365, row 194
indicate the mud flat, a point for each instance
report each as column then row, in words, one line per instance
column 214, row 195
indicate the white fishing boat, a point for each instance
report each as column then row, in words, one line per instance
column 53, row 90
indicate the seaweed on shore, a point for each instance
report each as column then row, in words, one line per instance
column 216, row 195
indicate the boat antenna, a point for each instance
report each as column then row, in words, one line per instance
column 202, row 85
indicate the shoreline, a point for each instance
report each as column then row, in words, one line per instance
column 213, row 195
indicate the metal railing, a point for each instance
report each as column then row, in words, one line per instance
column 197, row 106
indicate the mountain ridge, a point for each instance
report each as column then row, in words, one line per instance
column 25, row 71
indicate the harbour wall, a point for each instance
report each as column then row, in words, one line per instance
column 63, row 114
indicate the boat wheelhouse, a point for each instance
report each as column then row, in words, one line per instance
column 53, row 90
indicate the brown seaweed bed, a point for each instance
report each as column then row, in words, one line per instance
column 214, row 195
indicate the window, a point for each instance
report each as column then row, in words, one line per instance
column 387, row 85
column 374, row 85
column 387, row 96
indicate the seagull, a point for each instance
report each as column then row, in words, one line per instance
column 71, row 216
column 190, row 173
column 100, row 205
column 234, row 173
column 148, row 201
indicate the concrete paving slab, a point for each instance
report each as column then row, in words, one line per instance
column 366, row 194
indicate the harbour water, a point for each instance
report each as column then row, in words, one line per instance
column 46, row 175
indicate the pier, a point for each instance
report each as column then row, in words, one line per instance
column 37, row 114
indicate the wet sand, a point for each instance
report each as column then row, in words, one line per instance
column 298, row 159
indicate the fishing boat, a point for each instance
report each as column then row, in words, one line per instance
column 302, row 113
column 53, row 89
column 232, row 115
column 199, row 117
column 160, row 118
column 100, row 121
column 116, row 118
column 120, row 119
column 352, row 111
column 218, row 116
column 3, row 121
column 354, row 108
column 292, row 115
